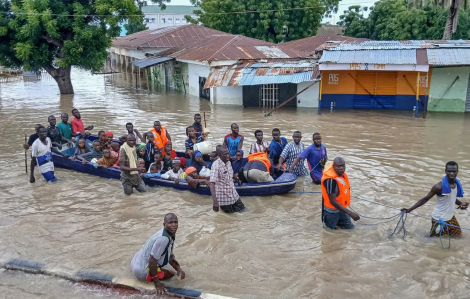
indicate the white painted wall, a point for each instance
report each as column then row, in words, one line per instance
column 228, row 95
column 194, row 72
column 308, row 98
column 159, row 20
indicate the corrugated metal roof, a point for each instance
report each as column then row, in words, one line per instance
column 167, row 37
column 395, row 45
column 312, row 44
column 456, row 56
column 150, row 61
column 249, row 75
column 370, row 56
column 230, row 47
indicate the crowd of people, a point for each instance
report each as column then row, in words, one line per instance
column 151, row 155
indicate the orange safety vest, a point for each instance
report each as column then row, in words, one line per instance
column 344, row 196
column 159, row 139
column 262, row 157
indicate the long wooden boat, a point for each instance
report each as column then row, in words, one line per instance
column 282, row 184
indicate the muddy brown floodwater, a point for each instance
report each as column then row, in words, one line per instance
column 278, row 248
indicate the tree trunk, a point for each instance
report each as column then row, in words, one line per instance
column 62, row 77
column 452, row 19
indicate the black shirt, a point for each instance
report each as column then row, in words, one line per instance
column 54, row 135
column 32, row 138
column 198, row 127
column 331, row 186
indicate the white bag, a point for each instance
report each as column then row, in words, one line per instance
column 205, row 172
column 204, row 147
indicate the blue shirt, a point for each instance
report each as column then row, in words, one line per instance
column 313, row 156
column 276, row 148
column 232, row 144
column 189, row 144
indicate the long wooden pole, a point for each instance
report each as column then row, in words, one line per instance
column 417, row 96
column 25, row 155
column 205, row 124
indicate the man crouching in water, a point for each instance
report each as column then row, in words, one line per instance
column 156, row 253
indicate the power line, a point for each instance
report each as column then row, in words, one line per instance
column 207, row 13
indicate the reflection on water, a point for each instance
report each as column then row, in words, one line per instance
column 277, row 249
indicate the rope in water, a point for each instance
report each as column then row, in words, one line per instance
column 402, row 216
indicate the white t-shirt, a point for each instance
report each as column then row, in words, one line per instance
column 445, row 206
column 43, row 155
column 170, row 174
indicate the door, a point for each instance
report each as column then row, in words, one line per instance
column 204, row 93
column 467, row 102
column 375, row 90
column 269, row 96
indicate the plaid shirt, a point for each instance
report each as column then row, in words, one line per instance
column 257, row 148
column 222, row 177
column 292, row 152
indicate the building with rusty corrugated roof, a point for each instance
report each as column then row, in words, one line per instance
column 237, row 70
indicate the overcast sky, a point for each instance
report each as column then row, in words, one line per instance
column 343, row 5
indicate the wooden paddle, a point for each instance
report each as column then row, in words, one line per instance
column 205, row 124
column 25, row 155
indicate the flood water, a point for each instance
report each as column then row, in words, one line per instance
column 278, row 248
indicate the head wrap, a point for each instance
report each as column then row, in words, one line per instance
column 183, row 161
column 197, row 154
column 241, row 151
column 141, row 146
column 108, row 133
column 190, row 170
column 176, row 161
column 166, row 142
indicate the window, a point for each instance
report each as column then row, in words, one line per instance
column 269, row 96
column 170, row 20
column 152, row 20
column 146, row 20
column 177, row 20
column 163, row 20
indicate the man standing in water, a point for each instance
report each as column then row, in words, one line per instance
column 156, row 253
column 32, row 137
column 224, row 194
column 130, row 177
column 78, row 128
column 42, row 157
column 447, row 191
column 336, row 196
column 291, row 153
column 316, row 156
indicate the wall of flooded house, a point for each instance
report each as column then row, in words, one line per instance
column 308, row 98
column 449, row 93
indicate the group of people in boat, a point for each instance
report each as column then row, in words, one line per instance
column 151, row 155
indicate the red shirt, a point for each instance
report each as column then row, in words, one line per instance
column 77, row 126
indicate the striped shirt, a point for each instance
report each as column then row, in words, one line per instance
column 189, row 144
column 292, row 152
column 258, row 148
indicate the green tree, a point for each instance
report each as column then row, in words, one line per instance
column 397, row 20
column 281, row 24
column 57, row 34
column 135, row 24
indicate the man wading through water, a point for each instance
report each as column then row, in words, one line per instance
column 156, row 253
column 336, row 196
column 130, row 177
column 447, row 191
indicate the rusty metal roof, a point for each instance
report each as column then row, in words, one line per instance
column 259, row 73
column 231, row 47
column 167, row 37
column 312, row 44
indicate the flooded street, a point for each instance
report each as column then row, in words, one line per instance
column 278, row 248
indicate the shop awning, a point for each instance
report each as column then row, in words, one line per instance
column 146, row 62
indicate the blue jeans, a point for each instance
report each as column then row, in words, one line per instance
column 341, row 219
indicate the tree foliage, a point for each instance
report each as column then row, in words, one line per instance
column 397, row 20
column 275, row 26
column 57, row 34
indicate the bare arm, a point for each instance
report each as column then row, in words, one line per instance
column 153, row 270
column 225, row 142
column 168, row 135
column 33, row 164
column 297, row 160
column 240, row 145
column 174, row 263
column 215, row 203
column 338, row 206
column 436, row 189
